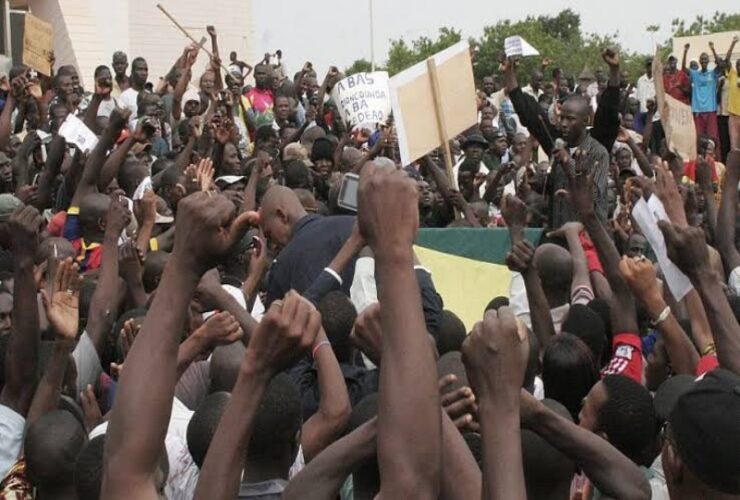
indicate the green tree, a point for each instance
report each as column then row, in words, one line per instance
column 558, row 38
column 401, row 55
column 360, row 66
column 719, row 22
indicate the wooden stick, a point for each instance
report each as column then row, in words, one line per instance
column 188, row 35
column 441, row 122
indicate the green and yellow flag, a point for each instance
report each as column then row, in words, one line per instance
column 468, row 266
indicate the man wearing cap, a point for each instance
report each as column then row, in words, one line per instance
column 473, row 148
column 498, row 150
column 701, row 445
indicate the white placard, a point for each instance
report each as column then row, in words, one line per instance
column 363, row 99
column 77, row 133
column 647, row 215
column 518, row 46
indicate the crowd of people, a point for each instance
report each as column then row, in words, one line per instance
column 187, row 312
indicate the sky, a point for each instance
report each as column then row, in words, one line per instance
column 337, row 32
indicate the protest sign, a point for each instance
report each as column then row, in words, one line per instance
column 646, row 215
column 676, row 117
column 76, row 132
column 518, row 46
column 38, row 42
column 427, row 115
column 363, row 98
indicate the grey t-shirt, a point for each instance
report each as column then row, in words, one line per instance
column 87, row 363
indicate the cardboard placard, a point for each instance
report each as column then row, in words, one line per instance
column 413, row 102
column 38, row 43
column 363, row 98
column 676, row 117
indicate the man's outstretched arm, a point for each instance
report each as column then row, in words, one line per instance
column 138, row 425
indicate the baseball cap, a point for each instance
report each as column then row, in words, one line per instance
column 669, row 392
column 474, row 139
column 8, row 205
column 705, row 425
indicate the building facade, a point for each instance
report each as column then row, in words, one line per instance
column 87, row 32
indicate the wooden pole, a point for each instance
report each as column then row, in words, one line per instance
column 188, row 35
column 441, row 123
column 440, row 114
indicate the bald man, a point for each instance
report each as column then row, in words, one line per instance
column 555, row 268
column 304, row 244
column 574, row 120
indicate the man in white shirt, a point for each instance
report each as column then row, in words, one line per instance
column 535, row 86
column 139, row 75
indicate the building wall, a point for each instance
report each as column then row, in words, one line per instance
column 87, row 32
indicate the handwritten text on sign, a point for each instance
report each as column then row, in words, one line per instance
column 363, row 98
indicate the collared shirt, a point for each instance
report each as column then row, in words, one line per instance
column 561, row 210
column 315, row 242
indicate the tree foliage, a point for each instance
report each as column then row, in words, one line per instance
column 719, row 22
column 360, row 66
column 559, row 38
column 401, row 55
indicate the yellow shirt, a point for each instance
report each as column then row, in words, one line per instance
column 734, row 92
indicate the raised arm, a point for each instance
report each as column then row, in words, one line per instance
column 104, row 303
column 323, row 477
column 727, row 214
column 728, row 57
column 288, row 329
column 91, row 173
column 17, row 90
column 182, row 83
column 640, row 275
column 47, row 180
column 683, row 58
column 520, row 259
column 581, row 282
column 388, row 219
column 62, row 309
column 606, row 118
column 623, row 311
column 138, row 425
column 687, row 249
column 704, row 181
column 717, row 59
column 328, row 422
column 216, row 59
column 113, row 163
column 615, row 475
column 21, row 357
column 495, row 356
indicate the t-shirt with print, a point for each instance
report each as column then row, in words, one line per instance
column 266, row 490
column 260, row 101
column 733, row 98
column 88, row 255
column 703, row 91
column 626, row 357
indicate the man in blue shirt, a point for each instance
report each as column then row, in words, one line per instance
column 704, row 95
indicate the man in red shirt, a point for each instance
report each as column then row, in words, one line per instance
column 675, row 82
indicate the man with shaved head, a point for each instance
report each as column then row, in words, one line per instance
column 304, row 244
column 574, row 119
